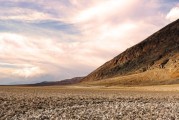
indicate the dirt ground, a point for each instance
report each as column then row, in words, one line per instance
column 93, row 103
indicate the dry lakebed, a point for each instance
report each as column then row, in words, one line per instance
column 89, row 103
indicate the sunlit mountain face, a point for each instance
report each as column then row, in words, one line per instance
column 52, row 40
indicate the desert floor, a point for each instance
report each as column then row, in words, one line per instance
column 97, row 103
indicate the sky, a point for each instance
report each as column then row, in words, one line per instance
column 50, row 40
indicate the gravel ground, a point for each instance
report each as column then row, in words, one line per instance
column 54, row 103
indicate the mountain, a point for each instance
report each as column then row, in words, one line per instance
column 71, row 81
column 153, row 61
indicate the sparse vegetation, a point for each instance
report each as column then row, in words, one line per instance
column 87, row 103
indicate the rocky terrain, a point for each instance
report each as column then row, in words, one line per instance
column 157, row 57
column 58, row 103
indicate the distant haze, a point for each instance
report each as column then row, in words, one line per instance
column 49, row 40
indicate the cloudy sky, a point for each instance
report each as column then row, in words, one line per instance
column 47, row 40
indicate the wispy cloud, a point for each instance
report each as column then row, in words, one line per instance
column 173, row 14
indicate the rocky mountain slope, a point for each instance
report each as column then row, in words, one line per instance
column 154, row 60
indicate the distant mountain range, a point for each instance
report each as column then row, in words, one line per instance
column 62, row 82
column 153, row 61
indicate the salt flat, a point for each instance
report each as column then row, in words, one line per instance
column 77, row 102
